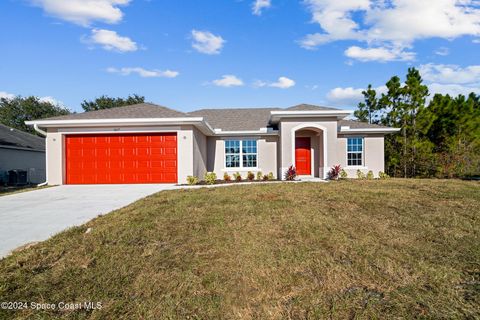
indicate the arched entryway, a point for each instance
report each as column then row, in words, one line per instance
column 309, row 150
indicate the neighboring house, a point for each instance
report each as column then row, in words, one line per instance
column 146, row 143
column 22, row 151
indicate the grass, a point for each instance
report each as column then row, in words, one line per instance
column 348, row 249
column 5, row 191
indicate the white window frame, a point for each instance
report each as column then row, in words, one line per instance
column 241, row 154
column 362, row 165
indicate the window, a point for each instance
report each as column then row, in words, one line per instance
column 241, row 157
column 354, row 151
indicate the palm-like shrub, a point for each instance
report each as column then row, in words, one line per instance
column 291, row 173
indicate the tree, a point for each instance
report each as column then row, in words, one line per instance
column 441, row 139
column 14, row 112
column 368, row 111
column 106, row 102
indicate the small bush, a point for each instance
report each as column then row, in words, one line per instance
column 227, row 177
column 271, row 176
column 192, row 180
column 382, row 175
column 360, row 174
column 334, row 172
column 210, row 177
column 237, row 176
column 265, row 177
column 370, row 175
column 291, row 173
column 343, row 174
column 259, row 175
column 250, row 176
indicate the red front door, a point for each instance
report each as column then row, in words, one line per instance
column 303, row 156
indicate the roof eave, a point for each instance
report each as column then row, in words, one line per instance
column 196, row 121
column 368, row 130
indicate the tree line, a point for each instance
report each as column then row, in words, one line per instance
column 15, row 111
column 439, row 137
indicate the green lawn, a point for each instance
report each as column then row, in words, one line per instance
column 348, row 249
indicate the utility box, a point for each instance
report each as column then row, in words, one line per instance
column 17, row 177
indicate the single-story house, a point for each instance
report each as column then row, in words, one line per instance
column 21, row 151
column 147, row 143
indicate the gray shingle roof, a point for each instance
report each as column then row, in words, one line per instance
column 141, row 110
column 235, row 119
column 15, row 138
column 309, row 107
column 353, row 124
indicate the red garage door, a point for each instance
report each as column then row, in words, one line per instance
column 121, row 158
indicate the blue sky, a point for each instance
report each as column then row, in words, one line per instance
column 252, row 53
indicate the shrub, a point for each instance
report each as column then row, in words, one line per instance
column 334, row 172
column 383, row 175
column 370, row 175
column 237, row 176
column 227, row 177
column 259, row 175
column 250, row 176
column 192, row 180
column 265, row 177
column 291, row 173
column 271, row 176
column 360, row 174
column 343, row 174
column 210, row 177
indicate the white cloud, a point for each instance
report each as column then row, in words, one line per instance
column 110, row 40
column 442, row 51
column 450, row 74
column 51, row 100
column 283, row 83
column 259, row 5
column 83, row 12
column 228, row 80
column 206, row 42
column 453, row 89
column 6, row 95
column 350, row 96
column 144, row 73
column 378, row 54
column 394, row 23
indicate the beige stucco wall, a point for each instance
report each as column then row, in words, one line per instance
column 31, row 161
column 199, row 153
column 185, row 148
column 335, row 150
column 266, row 159
column 328, row 136
column 373, row 154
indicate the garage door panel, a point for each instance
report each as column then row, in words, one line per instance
column 121, row 158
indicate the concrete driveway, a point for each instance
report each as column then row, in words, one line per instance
column 37, row 215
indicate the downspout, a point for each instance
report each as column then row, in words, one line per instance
column 43, row 133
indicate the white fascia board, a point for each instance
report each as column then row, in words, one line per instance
column 261, row 131
column 369, row 130
column 129, row 121
column 197, row 121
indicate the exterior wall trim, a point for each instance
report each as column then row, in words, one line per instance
column 324, row 133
